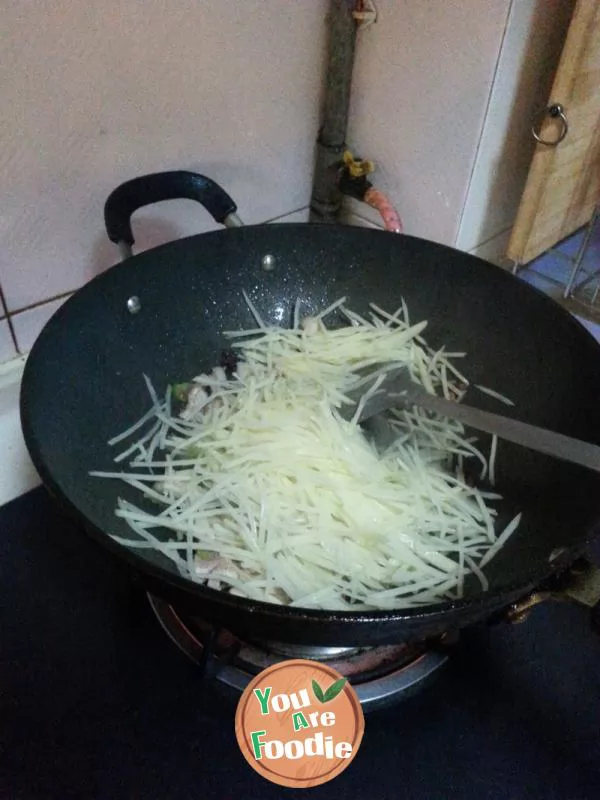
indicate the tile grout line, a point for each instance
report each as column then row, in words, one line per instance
column 489, row 239
column 283, row 216
column 483, row 124
column 39, row 303
column 3, row 303
column 11, row 327
column 365, row 219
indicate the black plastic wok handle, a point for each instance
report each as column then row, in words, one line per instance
column 148, row 189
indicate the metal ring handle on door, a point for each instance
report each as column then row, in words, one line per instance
column 555, row 111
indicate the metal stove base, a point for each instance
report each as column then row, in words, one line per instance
column 380, row 676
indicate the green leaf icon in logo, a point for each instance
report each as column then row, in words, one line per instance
column 318, row 692
column 334, row 690
column 331, row 693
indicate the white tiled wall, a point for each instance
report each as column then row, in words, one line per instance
column 422, row 81
column 101, row 92
column 529, row 55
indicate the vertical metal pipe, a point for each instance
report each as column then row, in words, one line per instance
column 342, row 32
column 326, row 197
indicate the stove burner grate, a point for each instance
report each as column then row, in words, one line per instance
column 381, row 676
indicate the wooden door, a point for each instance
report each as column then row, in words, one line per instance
column 563, row 185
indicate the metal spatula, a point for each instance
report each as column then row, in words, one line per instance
column 398, row 390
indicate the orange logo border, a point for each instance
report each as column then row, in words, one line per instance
column 244, row 713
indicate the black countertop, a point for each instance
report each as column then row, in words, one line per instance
column 96, row 703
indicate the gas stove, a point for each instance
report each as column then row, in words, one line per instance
column 381, row 676
column 96, row 702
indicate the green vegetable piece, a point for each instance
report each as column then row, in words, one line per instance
column 318, row 692
column 181, row 391
column 190, row 452
column 204, row 555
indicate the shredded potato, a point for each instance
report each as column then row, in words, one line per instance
column 260, row 488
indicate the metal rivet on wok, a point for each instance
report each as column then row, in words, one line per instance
column 268, row 262
column 133, row 304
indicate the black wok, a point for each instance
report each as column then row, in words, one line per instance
column 83, row 383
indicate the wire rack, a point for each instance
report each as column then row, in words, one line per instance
column 577, row 286
column 583, row 285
